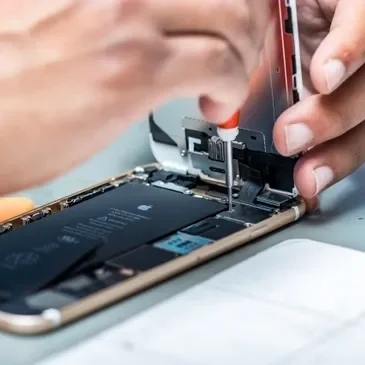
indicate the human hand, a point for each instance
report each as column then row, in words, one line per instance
column 12, row 207
column 75, row 73
column 330, row 120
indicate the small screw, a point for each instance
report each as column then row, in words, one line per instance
column 183, row 153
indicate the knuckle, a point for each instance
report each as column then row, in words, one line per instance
column 241, row 17
column 130, row 7
column 231, row 76
column 221, row 59
column 125, row 11
column 236, row 13
column 313, row 111
column 354, row 146
column 119, row 65
column 340, row 117
column 132, row 63
column 328, row 121
column 344, row 158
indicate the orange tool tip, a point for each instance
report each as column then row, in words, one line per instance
column 231, row 123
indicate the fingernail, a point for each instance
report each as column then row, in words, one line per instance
column 298, row 136
column 335, row 73
column 323, row 176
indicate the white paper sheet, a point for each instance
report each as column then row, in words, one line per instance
column 344, row 346
column 288, row 305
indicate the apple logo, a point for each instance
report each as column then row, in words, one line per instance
column 144, row 208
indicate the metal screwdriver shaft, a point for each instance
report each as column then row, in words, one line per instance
column 228, row 133
column 229, row 173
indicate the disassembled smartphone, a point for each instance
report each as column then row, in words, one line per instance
column 76, row 255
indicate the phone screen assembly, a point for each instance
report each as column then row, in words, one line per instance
column 76, row 255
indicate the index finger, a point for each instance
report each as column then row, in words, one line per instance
column 342, row 52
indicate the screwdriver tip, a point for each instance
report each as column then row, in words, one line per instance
column 230, row 199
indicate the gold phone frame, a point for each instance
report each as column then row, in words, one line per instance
column 52, row 319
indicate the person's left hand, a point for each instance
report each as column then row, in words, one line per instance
column 329, row 121
column 12, row 207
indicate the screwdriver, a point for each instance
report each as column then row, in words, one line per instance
column 228, row 132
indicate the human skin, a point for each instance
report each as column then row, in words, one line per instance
column 12, row 207
column 37, row 128
column 329, row 121
column 74, row 74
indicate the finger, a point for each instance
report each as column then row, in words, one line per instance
column 203, row 65
column 320, row 118
column 312, row 204
column 212, row 110
column 216, row 112
column 342, row 52
column 326, row 164
column 239, row 22
column 11, row 207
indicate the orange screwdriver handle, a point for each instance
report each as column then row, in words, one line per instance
column 228, row 131
column 231, row 123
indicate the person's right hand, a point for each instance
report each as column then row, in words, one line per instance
column 75, row 73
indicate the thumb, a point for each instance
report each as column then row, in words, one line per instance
column 342, row 52
column 11, row 207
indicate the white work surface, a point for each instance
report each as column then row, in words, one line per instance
column 340, row 222
column 286, row 305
